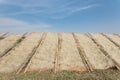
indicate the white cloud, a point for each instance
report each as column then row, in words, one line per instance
column 14, row 25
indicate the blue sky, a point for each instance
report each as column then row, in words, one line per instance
column 80, row 16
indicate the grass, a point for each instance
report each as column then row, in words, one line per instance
column 110, row 74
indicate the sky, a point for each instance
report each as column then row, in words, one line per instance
column 81, row 16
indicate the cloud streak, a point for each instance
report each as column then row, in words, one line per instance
column 46, row 7
column 79, row 9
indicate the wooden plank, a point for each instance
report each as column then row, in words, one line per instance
column 108, row 48
column 2, row 35
column 95, row 56
column 45, row 54
column 8, row 43
column 113, row 38
column 69, row 56
column 57, row 57
column 17, row 57
column 85, row 60
column 25, row 64
column 117, row 35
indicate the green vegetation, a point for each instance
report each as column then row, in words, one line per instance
column 64, row 75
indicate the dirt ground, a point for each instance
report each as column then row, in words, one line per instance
column 110, row 74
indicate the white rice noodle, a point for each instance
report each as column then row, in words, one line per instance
column 16, row 57
column 69, row 57
column 93, row 53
